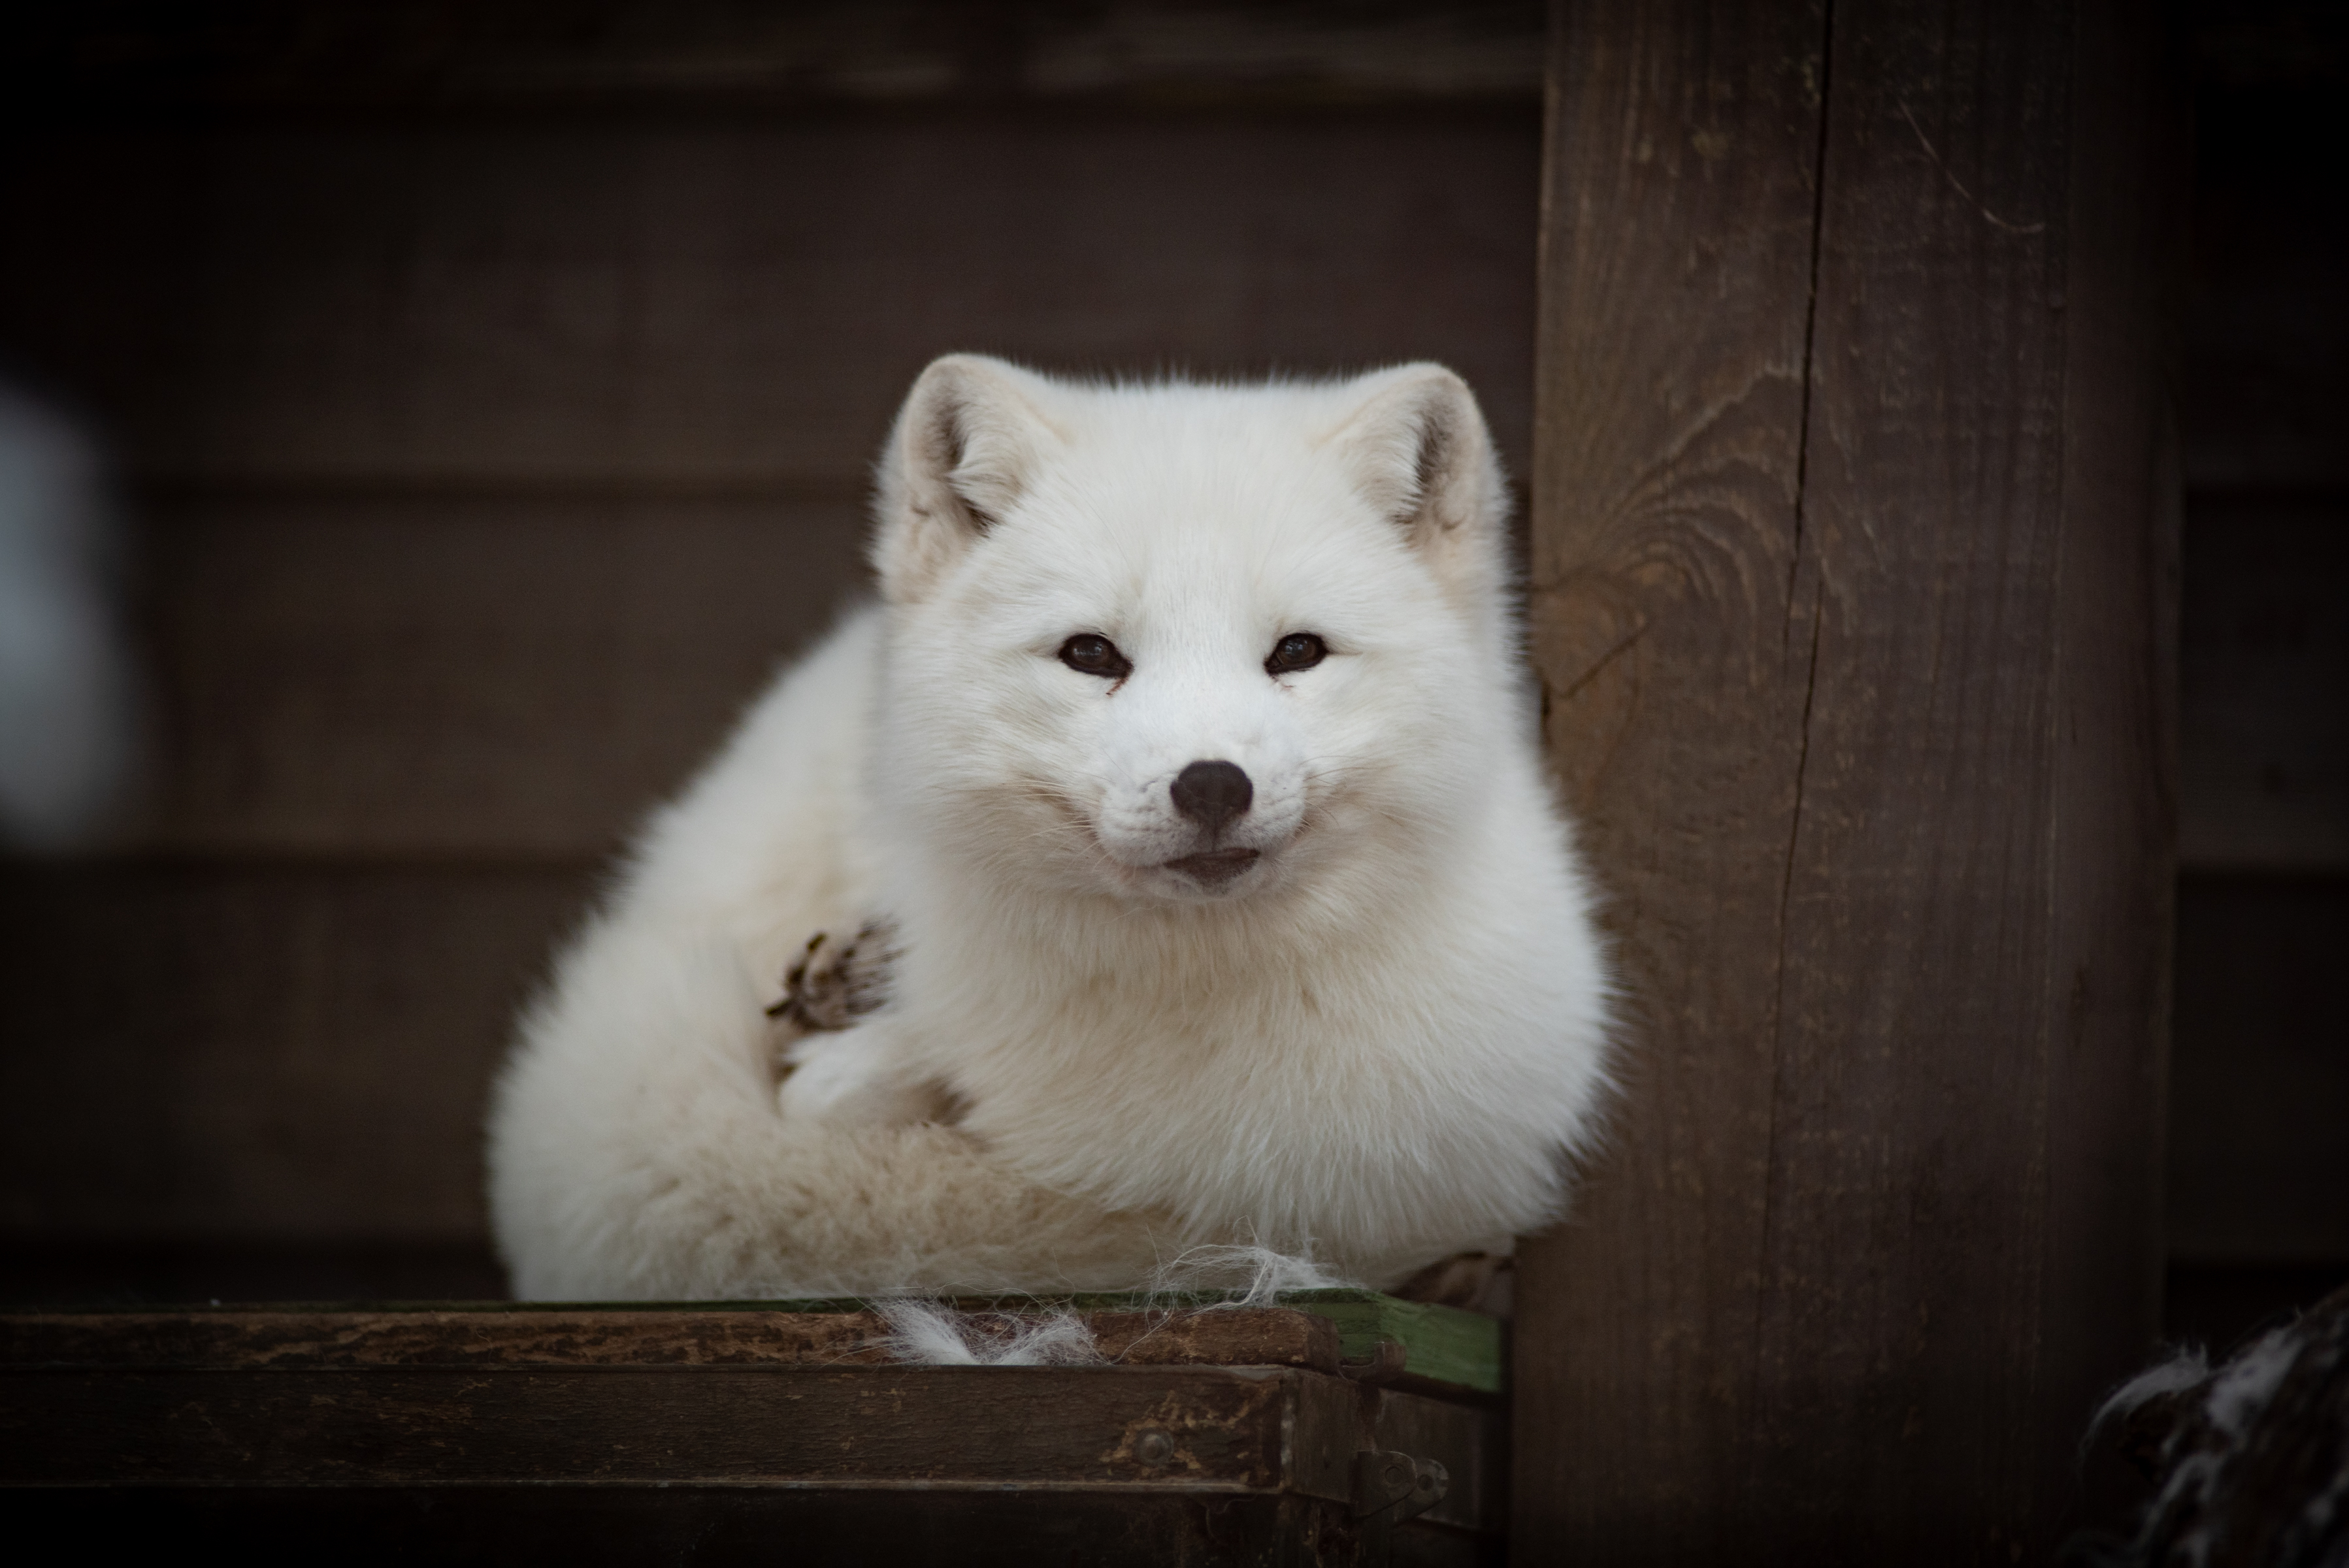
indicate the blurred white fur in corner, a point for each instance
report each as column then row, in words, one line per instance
column 1185, row 866
column 68, row 710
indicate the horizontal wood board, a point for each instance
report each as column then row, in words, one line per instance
column 152, row 1270
column 1442, row 1349
column 512, row 55
column 240, row 1054
column 736, row 305
column 460, row 678
column 407, row 1426
column 1442, row 1345
column 650, row 1336
column 626, row 1526
column 1214, row 1430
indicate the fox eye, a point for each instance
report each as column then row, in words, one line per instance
column 1091, row 654
column 1297, row 651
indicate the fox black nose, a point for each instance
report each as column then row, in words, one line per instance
column 1212, row 793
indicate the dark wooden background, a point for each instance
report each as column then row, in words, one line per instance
column 492, row 389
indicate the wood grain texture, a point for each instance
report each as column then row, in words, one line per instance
column 662, row 303
column 875, row 1424
column 464, row 678
column 699, row 54
column 238, row 1055
column 1848, row 582
column 280, row 1340
column 564, row 1411
column 624, row 1526
column 156, row 1268
column 1670, row 400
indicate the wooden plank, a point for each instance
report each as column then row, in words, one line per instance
column 501, row 302
column 1852, row 633
column 573, row 1411
column 258, row 1053
column 720, row 1525
column 1435, row 1349
column 939, row 1425
column 504, row 678
column 153, row 1267
column 1677, row 240
column 1442, row 1346
column 2263, row 732
column 300, row 53
column 281, row 1339
column 1423, row 1345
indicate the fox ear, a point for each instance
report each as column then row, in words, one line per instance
column 1418, row 449
column 966, row 445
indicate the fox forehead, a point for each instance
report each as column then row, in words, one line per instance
column 1232, row 479
column 1170, row 555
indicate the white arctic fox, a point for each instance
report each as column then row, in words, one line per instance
column 1185, row 791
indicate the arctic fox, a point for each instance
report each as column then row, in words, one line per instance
column 1167, row 861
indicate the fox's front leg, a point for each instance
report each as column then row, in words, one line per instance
column 842, row 1063
column 861, row 1077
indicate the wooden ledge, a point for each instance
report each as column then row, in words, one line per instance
column 1430, row 1349
column 232, row 1338
column 409, row 1433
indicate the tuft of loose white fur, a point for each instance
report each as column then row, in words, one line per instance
column 1241, row 1273
column 1365, row 1021
column 2250, row 1456
column 2183, row 1369
column 935, row 1333
column 932, row 1333
column 2240, row 1392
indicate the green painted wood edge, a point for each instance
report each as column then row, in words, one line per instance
column 1440, row 1344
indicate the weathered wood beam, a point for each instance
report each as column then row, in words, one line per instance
column 1852, row 579
column 1219, row 1435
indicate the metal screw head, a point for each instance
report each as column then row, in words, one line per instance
column 1154, row 1447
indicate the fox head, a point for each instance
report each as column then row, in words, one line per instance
column 1185, row 644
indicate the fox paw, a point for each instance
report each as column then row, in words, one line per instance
column 833, row 983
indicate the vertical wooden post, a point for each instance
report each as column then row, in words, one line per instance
column 1853, row 560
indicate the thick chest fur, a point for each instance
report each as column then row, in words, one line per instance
column 1350, row 1097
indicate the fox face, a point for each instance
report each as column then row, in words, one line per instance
column 1191, row 645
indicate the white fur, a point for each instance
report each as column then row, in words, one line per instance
column 1377, row 1045
column 937, row 1335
